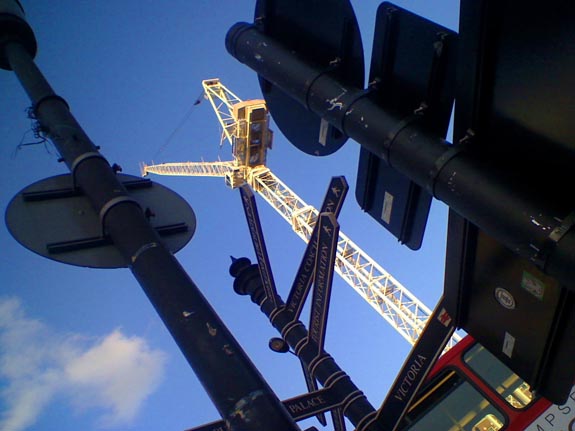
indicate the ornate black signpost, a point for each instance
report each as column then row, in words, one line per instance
column 339, row 394
column 236, row 388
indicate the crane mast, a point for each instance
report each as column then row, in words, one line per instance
column 245, row 126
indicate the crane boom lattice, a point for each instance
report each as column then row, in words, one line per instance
column 250, row 137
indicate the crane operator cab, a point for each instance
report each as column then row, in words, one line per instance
column 252, row 136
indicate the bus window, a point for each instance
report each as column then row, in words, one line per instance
column 451, row 403
column 488, row 423
column 496, row 374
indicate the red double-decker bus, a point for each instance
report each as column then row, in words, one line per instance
column 471, row 390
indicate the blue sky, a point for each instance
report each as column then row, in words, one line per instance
column 83, row 348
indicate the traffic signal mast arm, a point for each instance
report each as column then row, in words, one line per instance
column 385, row 294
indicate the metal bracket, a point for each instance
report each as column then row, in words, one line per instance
column 553, row 239
column 79, row 160
column 100, row 241
column 111, row 204
column 390, row 138
column 45, row 99
column 446, row 158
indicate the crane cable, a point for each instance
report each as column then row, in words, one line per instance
column 179, row 126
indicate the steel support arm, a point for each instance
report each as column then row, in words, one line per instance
column 503, row 208
column 235, row 386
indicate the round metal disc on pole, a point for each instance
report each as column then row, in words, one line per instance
column 326, row 33
column 55, row 220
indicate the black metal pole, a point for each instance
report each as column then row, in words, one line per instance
column 482, row 194
column 235, row 386
column 356, row 407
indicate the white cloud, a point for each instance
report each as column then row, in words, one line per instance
column 117, row 373
column 114, row 374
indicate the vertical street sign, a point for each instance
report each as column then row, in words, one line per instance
column 413, row 65
column 323, row 277
column 332, row 203
column 253, row 219
column 420, row 361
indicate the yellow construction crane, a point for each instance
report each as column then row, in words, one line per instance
column 245, row 125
